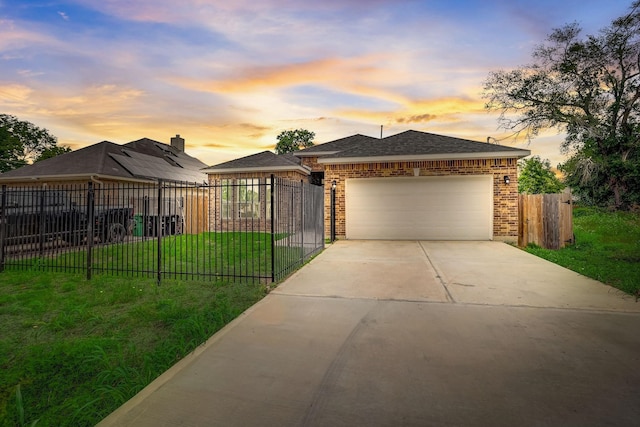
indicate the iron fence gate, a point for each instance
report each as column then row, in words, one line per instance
column 245, row 229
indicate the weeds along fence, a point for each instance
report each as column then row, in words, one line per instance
column 238, row 230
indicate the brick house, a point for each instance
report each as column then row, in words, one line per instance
column 123, row 175
column 412, row 185
column 140, row 161
column 242, row 189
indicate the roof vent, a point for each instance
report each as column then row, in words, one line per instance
column 178, row 143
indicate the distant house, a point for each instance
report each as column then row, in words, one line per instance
column 122, row 175
column 144, row 160
column 409, row 186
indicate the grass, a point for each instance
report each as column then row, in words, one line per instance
column 72, row 351
column 607, row 248
column 205, row 255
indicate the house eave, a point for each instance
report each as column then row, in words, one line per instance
column 314, row 154
column 69, row 177
column 212, row 171
column 419, row 157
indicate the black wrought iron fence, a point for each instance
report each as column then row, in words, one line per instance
column 259, row 229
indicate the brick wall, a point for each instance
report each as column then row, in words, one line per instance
column 312, row 162
column 505, row 206
column 262, row 222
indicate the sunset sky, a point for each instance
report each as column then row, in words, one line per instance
column 229, row 75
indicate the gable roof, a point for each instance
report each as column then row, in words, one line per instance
column 144, row 159
column 265, row 161
column 415, row 145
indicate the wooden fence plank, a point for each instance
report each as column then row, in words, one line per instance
column 566, row 218
column 523, row 224
column 545, row 220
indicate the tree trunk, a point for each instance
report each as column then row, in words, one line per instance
column 616, row 187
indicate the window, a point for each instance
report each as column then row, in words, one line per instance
column 240, row 199
column 267, row 198
column 248, row 198
column 226, row 198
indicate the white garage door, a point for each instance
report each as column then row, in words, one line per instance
column 420, row 208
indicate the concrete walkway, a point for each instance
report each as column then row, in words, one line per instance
column 414, row 334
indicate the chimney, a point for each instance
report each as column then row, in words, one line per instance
column 178, row 143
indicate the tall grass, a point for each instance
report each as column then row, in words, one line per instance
column 72, row 350
column 607, row 248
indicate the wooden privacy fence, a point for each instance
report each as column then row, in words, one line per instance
column 546, row 220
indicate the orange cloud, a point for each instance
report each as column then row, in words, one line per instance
column 358, row 75
column 12, row 95
column 448, row 109
column 420, row 118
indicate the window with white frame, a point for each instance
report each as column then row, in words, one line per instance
column 248, row 198
column 240, row 198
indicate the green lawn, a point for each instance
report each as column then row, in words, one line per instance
column 205, row 255
column 72, row 351
column 607, row 248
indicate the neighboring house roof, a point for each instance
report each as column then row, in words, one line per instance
column 336, row 146
column 265, row 161
column 144, row 159
column 415, row 145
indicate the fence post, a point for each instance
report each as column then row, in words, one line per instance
column 90, row 223
column 302, row 221
column 3, row 225
column 566, row 219
column 41, row 226
column 273, row 230
column 159, row 231
column 333, row 211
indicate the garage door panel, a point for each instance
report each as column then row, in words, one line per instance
column 425, row 208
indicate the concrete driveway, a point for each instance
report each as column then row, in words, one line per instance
column 414, row 334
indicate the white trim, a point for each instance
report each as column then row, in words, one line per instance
column 70, row 177
column 214, row 170
column 315, row 154
column 417, row 157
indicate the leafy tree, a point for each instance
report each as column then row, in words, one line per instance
column 588, row 87
column 580, row 174
column 56, row 150
column 536, row 177
column 292, row 140
column 22, row 142
column 11, row 152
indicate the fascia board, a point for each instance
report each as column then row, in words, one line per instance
column 418, row 157
column 256, row 169
column 315, row 154
column 68, row 177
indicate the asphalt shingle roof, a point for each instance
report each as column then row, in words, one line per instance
column 113, row 160
column 409, row 143
column 341, row 144
column 414, row 143
column 265, row 159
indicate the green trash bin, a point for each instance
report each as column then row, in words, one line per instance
column 138, row 229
